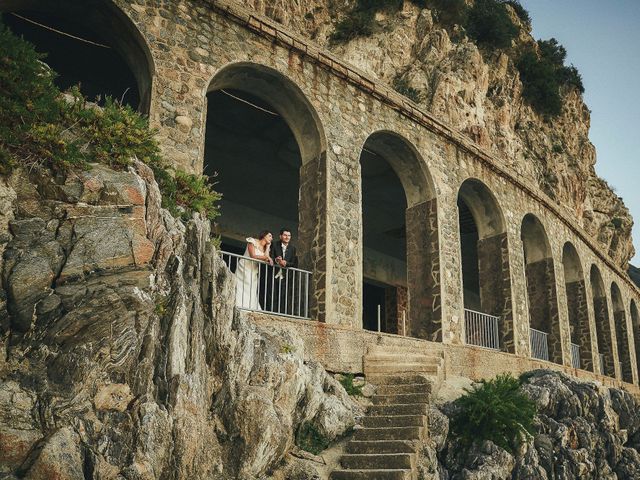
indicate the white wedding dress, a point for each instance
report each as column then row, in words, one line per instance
column 247, row 279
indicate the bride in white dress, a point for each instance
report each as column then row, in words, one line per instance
column 247, row 279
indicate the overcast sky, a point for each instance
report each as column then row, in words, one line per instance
column 602, row 39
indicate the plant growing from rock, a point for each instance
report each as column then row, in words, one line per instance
column 347, row 382
column 310, row 439
column 494, row 410
column 44, row 130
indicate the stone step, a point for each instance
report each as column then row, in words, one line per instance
column 382, row 461
column 390, row 433
column 398, row 409
column 395, row 357
column 393, row 421
column 406, row 388
column 396, row 368
column 398, row 379
column 380, row 446
column 400, row 398
column 370, row 475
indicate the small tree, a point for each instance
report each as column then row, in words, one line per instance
column 494, row 410
column 489, row 23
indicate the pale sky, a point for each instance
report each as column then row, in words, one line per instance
column 602, row 39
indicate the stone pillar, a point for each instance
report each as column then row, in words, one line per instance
column 395, row 303
column 423, row 272
column 543, row 304
column 312, row 232
column 620, row 321
column 495, row 286
column 579, row 322
column 603, row 329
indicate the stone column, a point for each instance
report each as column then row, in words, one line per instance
column 495, row 286
column 605, row 344
column 563, row 327
column 593, row 329
column 452, row 299
column 620, row 321
column 395, row 304
column 423, row 272
column 613, row 338
column 579, row 322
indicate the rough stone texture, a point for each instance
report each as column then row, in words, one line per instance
column 579, row 322
column 582, row 430
column 133, row 364
column 603, row 327
column 620, row 321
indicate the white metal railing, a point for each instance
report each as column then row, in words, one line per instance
column 481, row 329
column 603, row 370
column 263, row 288
column 575, row 355
column 539, row 344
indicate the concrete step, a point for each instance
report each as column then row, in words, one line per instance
column 398, row 409
column 393, row 421
column 396, row 368
column 406, row 388
column 400, row 398
column 395, row 357
column 389, row 433
column 370, row 475
column 383, row 461
column 380, row 446
column 398, row 379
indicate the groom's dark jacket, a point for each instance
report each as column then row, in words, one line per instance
column 290, row 257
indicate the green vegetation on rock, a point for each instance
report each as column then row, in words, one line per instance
column 42, row 129
column 347, row 382
column 494, row 410
column 310, row 439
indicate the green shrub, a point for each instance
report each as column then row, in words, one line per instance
column 41, row 129
column 401, row 85
column 494, row 410
column 309, row 438
column 489, row 23
column 347, row 382
column 522, row 13
column 540, row 84
column 450, row 12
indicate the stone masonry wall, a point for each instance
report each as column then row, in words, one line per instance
column 191, row 41
column 579, row 322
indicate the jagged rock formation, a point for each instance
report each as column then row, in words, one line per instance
column 121, row 353
column 582, row 431
column 478, row 92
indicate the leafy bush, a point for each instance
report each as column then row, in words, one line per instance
column 401, row 85
column 347, row 382
column 494, row 410
column 450, row 12
column 489, row 23
column 309, row 438
column 40, row 128
column 522, row 13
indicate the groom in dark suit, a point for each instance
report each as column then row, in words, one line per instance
column 284, row 256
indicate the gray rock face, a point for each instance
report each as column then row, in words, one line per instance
column 124, row 355
column 583, row 431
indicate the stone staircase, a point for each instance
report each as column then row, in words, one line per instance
column 385, row 447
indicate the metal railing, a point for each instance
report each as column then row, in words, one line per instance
column 539, row 344
column 575, row 355
column 263, row 288
column 603, row 370
column 481, row 329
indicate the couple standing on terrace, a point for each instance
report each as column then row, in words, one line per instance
column 251, row 276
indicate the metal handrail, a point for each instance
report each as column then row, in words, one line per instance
column 539, row 344
column 575, row 355
column 481, row 329
column 261, row 287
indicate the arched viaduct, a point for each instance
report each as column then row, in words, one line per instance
column 477, row 236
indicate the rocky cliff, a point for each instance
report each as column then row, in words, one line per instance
column 121, row 353
column 478, row 91
column 582, row 431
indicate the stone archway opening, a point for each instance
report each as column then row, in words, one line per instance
column 486, row 276
column 603, row 323
column 635, row 323
column 401, row 274
column 542, row 297
column 91, row 44
column 577, row 310
column 622, row 337
column 265, row 149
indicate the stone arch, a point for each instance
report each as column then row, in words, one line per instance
column 266, row 144
column 603, row 322
column 400, row 237
column 577, row 308
column 622, row 337
column 635, row 325
column 541, row 291
column 102, row 22
column 485, row 266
